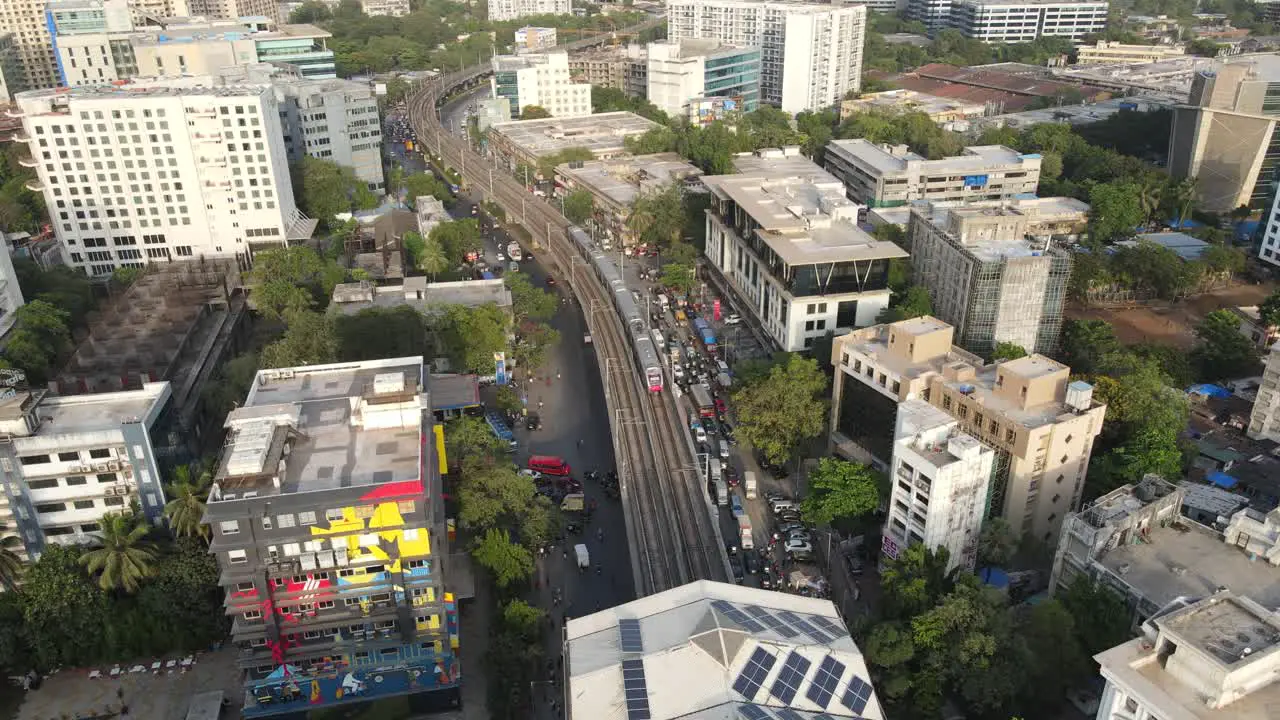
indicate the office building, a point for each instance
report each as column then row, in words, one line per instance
column 1269, row 248
column 1209, row 657
column 889, row 175
column 540, row 80
column 1224, row 138
column 1264, row 421
column 624, row 68
column 615, row 185
column 1039, row 423
column 1108, row 52
column 67, row 461
column 810, row 54
column 1062, row 220
column 503, row 10
column 329, row 529
column 1014, row 21
column 163, row 170
column 388, row 8
column 940, row 479
column 715, row 650
column 535, row 38
column 988, row 277
column 232, row 9
column 491, row 111
column 680, row 71
column 935, row 14
column 10, row 292
column 525, row 142
column 950, row 113
column 785, row 241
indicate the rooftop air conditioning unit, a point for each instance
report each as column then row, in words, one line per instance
column 113, row 466
column 100, row 467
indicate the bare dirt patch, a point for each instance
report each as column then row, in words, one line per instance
column 1170, row 324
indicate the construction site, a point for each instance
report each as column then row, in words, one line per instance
column 177, row 322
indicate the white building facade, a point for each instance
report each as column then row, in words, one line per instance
column 535, row 38
column 1014, row 21
column 390, row 8
column 682, row 70
column 10, row 292
column 1264, row 421
column 149, row 172
column 940, row 479
column 500, row 10
column 334, row 120
column 811, row 54
column 542, row 80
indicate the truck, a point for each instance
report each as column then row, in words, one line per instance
column 702, row 398
column 500, row 430
column 705, row 334
column 724, row 380
column 584, row 557
column 744, row 530
column 573, row 502
column 749, row 482
column 514, row 252
column 663, row 302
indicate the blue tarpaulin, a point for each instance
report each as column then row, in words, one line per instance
column 1222, row 480
column 1209, row 390
column 994, row 576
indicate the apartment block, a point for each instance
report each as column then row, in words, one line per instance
column 681, row 71
column 503, row 10
column 162, row 170
column 892, row 175
column 988, row 276
column 624, row 68
column 1015, row 21
column 11, row 77
column 1108, row 52
column 329, row 528
column 1040, row 425
column 385, row 8
column 785, row 241
column 810, row 54
column 1060, row 220
column 67, row 461
column 940, row 479
column 1264, row 420
column 535, row 38
column 615, row 185
column 542, row 80
column 10, row 292
column 232, row 9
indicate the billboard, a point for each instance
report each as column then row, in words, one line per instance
column 500, row 368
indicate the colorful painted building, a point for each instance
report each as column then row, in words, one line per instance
column 329, row 529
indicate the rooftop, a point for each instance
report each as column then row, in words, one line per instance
column 222, row 30
column 600, row 133
column 58, row 416
column 624, row 179
column 1082, row 114
column 910, row 100
column 710, row 650
column 1186, row 246
column 451, row 392
column 325, row 427
column 890, row 159
column 425, row 297
column 874, row 342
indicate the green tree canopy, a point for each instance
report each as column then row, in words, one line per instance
column 469, row 440
column 913, row 302
column 579, row 206
column 1269, row 310
column 292, row 279
column 509, row 563
column 309, row 339
column 783, row 408
column 1007, row 351
column 185, row 509
column 529, row 302
column 534, row 112
column 121, row 558
column 1115, row 211
column 457, row 238
column 1222, row 352
column 997, row 543
column 379, row 332
column 1084, row 343
column 840, row 489
column 469, row 336
column 324, row 189
column 425, row 184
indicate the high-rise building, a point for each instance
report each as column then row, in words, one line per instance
column 935, row 14
column 1264, row 421
column 889, row 175
column 1039, row 423
column 940, row 479
column 10, row 292
column 501, row 10
column 329, row 527
column 624, row 68
column 161, row 170
column 988, row 277
column 542, row 80
column 681, row 70
column 1014, row 21
column 785, row 241
column 232, row 9
column 810, row 54
column 10, row 68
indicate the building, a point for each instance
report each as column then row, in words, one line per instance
column 716, row 650
column 503, row 10
column 935, row 14
column 535, row 38
column 390, row 8
column 28, row 22
column 680, row 71
column 425, row 297
column 11, row 78
column 889, row 175
column 1014, row 21
column 1060, row 219
column 940, row 481
column 615, row 184
column 624, row 68
column 1203, row 659
column 785, row 241
column 527, row 141
column 10, row 292
column 1224, row 138
column 491, row 111
column 1105, row 52
column 232, row 9
column 1261, row 334
column 67, row 461
column 541, row 80
column 947, row 112
column 1167, row 81
column 1075, row 115
column 217, row 198
column 811, row 54
column 884, row 6
column 1006, row 87
column 1039, row 423
column 1264, row 421
column 988, row 277
column 329, row 528
column 431, row 212
column 1155, row 27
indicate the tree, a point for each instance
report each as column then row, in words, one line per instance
column 1222, row 353
column 529, row 302
column 534, row 112
column 47, row 324
column 579, row 205
column 656, row 140
column 1115, row 211
column 785, row 407
column 432, row 258
column 1055, row 660
column 62, row 609
column 324, row 188
column 1182, row 195
column 379, row 332
column 425, row 185
column 657, row 217
column 510, row 563
column 457, row 238
column 912, row 303
column 1222, row 260
column 1204, row 47
column 506, row 399
column 468, row 440
column 471, row 335
column 840, row 489
column 10, row 562
column 121, row 559
column 293, row 279
column 308, row 340
column 185, row 510
column 915, row 581
column 997, row 543
column 1084, row 343
column 1102, row 619
column 532, row 343
column 1007, row 351
column 679, row 276
column 1269, row 310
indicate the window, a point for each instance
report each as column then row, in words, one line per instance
column 253, row 615
column 237, row 557
column 307, row 518
column 51, row 507
column 285, row 521
column 33, row 459
column 325, row 605
column 75, row 456
column 229, row 527
column 114, row 501
column 244, row 587
column 77, row 480
column 266, row 522
column 83, row 504
column 42, row 484
column 333, row 515
column 100, row 454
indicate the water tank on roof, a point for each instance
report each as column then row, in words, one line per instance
column 384, row 383
column 1079, row 395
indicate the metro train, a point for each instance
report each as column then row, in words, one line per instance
column 625, row 304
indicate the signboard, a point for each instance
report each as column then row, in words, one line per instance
column 889, row 547
column 715, row 310
column 500, row 368
column 975, row 180
column 379, row 89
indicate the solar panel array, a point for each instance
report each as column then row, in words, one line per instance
column 790, row 678
column 783, row 622
column 754, row 673
column 824, row 682
column 787, row 714
column 758, row 712
column 636, row 689
column 803, row 626
column 857, row 695
column 754, row 712
column 737, row 616
column 629, row 630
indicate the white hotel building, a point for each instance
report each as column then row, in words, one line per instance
column 501, row 10
column 153, row 171
column 810, row 54
column 1014, row 21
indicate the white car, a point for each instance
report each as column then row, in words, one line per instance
column 699, row 434
column 795, row 546
column 677, row 370
column 733, row 319
column 534, row 474
column 501, row 257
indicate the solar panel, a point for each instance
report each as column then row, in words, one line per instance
column 820, row 636
column 787, row 714
column 857, row 695
column 636, row 689
column 737, row 616
column 790, row 678
column 829, row 625
column 629, row 631
column 759, row 612
column 825, row 680
column 754, row 673
column 788, row 616
column 753, row 712
column 786, row 631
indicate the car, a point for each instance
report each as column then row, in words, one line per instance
column 854, row 563
column 533, row 422
column 790, row 516
column 733, row 319
column 677, row 370
column 787, row 528
column 700, row 435
column 501, row 257
column 736, row 563
column 534, row 474
column 781, row 504
column 731, row 476
column 801, row 534
column 721, row 408
column 551, row 280
column 751, row 562
column 798, row 546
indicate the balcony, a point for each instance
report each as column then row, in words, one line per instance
column 13, row 111
column 20, row 136
column 34, row 185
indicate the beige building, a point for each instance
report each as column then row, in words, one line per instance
column 1039, row 423
column 1104, row 52
column 615, row 184
column 232, row 9
column 949, row 112
column 622, row 68
column 1264, row 422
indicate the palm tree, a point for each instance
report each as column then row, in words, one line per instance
column 186, row 510
column 122, row 558
column 11, row 564
column 1183, row 194
column 434, row 260
column 1150, row 193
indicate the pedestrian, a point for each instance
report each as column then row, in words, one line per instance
column 557, row 375
column 539, row 404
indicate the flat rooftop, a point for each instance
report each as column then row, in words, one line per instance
column 984, row 384
column 622, row 180
column 600, row 133
column 1082, row 114
column 416, row 292
column 976, row 159
column 910, row 100
column 874, row 342
column 80, row 414
column 1187, row 247
column 222, row 31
